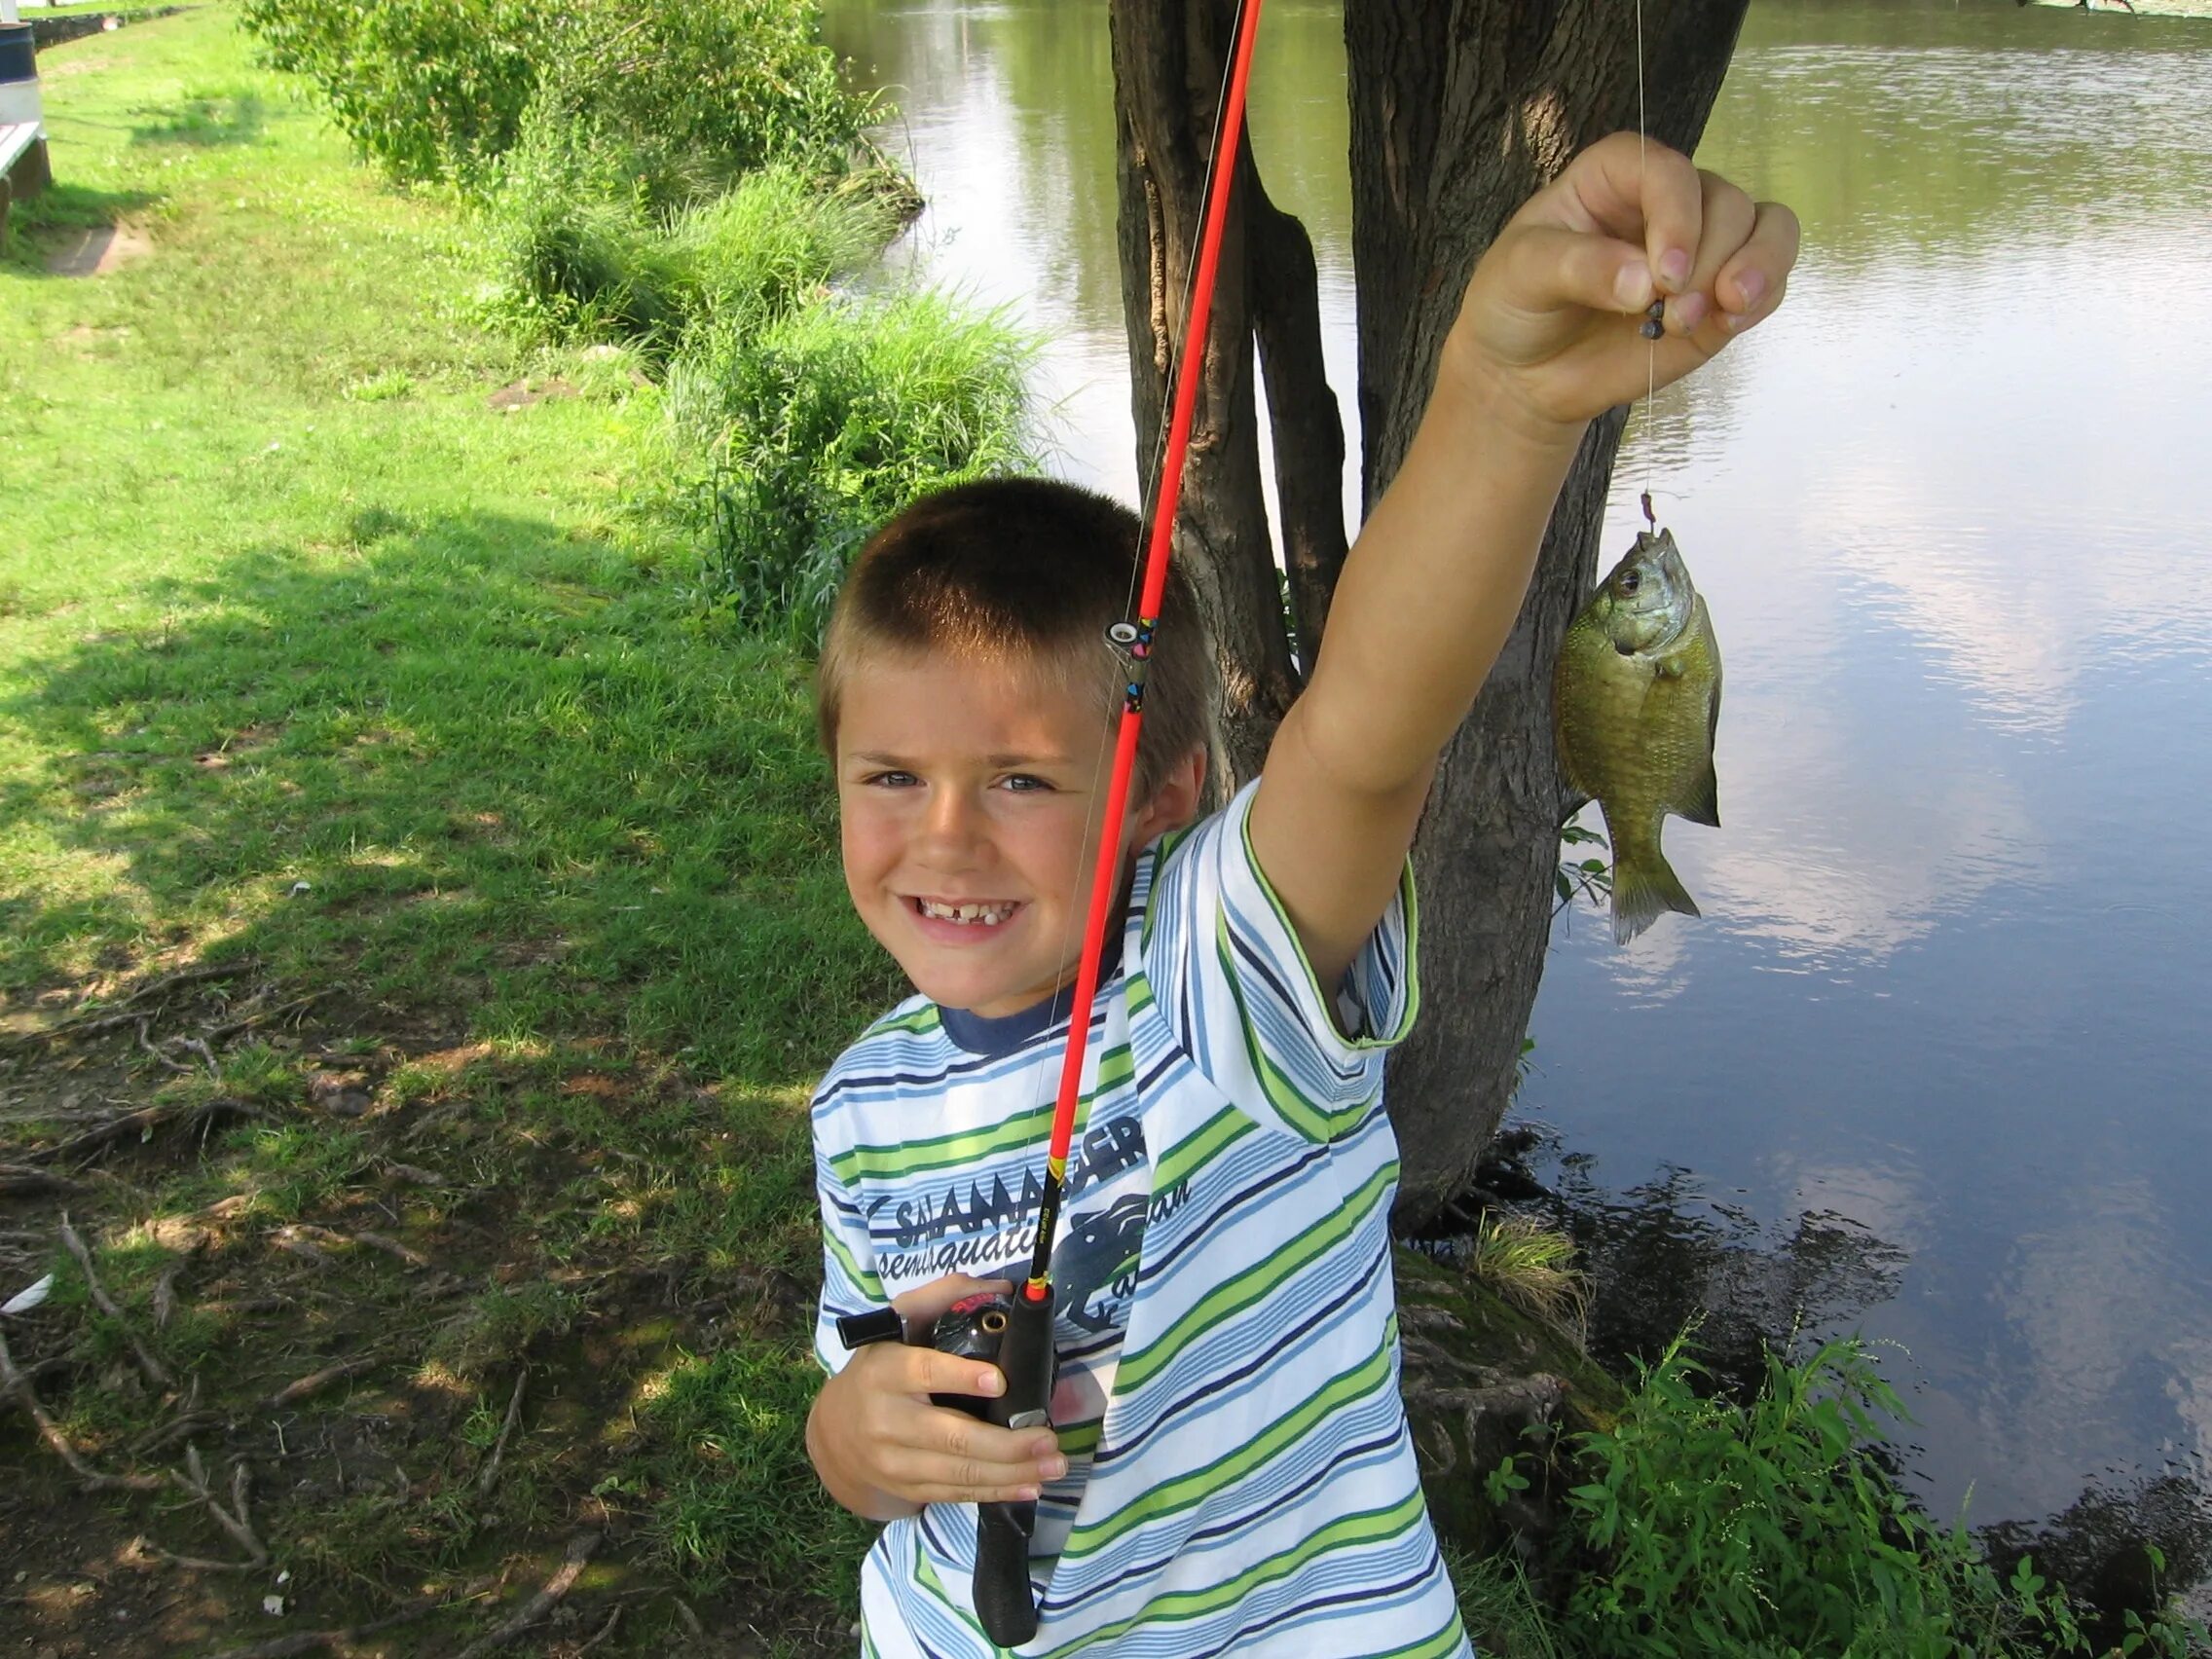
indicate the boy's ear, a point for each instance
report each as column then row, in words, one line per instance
column 1176, row 802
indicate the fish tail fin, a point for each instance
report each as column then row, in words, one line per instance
column 1645, row 889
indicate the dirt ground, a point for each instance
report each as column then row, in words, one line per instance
column 329, row 1346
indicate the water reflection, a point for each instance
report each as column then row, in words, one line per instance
column 1943, row 1011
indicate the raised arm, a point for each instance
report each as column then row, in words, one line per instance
column 1546, row 339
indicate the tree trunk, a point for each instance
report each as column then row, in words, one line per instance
column 1168, row 83
column 1459, row 111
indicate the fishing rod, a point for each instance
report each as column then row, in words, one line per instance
column 1021, row 1329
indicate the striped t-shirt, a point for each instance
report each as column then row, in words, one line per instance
column 1240, row 1476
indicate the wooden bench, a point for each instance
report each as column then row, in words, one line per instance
column 24, row 169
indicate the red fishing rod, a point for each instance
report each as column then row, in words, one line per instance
column 1024, row 1341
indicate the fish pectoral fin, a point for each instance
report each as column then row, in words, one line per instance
column 1703, row 804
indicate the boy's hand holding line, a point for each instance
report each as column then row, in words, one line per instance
column 884, row 1447
column 1545, row 340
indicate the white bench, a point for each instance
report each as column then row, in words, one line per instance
column 16, row 140
column 22, row 163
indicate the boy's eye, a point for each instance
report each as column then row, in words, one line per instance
column 889, row 780
column 1021, row 783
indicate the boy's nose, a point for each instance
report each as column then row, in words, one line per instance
column 952, row 826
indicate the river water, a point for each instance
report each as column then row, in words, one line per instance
column 1933, row 1065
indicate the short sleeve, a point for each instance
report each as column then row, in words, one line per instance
column 849, row 1280
column 1229, row 976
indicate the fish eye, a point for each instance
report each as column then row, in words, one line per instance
column 1630, row 580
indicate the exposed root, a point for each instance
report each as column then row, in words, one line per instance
column 374, row 1241
column 156, row 1372
column 232, row 1028
column 21, row 1180
column 415, row 1175
column 168, row 1434
column 18, row 1384
column 314, row 1640
column 579, row 1551
column 295, row 1239
column 317, row 1380
column 491, row 1471
column 124, row 1012
column 235, row 1521
column 165, row 1292
column 143, row 1022
column 605, row 1631
column 140, row 1124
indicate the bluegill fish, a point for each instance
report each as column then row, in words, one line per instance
column 1635, row 701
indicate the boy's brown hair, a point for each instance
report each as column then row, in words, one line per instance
column 1022, row 570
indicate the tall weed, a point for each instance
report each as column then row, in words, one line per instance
column 580, row 247
column 811, row 430
column 1772, row 1530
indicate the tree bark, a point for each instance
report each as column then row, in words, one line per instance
column 1168, row 83
column 1459, row 111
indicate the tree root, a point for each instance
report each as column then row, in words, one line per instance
column 579, row 1551
column 18, row 1384
column 142, row 1122
column 312, row 1640
column 124, row 1012
column 317, row 1380
column 491, row 1471
column 235, row 1521
column 374, row 1241
column 21, row 1180
column 156, row 1372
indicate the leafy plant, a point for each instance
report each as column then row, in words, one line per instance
column 823, row 424
column 1772, row 1530
column 1590, row 878
column 435, row 90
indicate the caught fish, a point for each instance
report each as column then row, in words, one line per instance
column 1635, row 701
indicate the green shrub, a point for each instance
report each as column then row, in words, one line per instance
column 1771, row 1530
column 575, row 246
column 428, row 89
column 814, row 429
column 435, row 90
column 578, row 249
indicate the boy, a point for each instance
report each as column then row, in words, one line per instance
column 1228, row 1469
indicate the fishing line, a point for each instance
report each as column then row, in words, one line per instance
column 1652, row 327
column 1234, row 70
column 1132, row 636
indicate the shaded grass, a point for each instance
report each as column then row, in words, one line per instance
column 316, row 662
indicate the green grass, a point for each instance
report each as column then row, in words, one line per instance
column 316, row 662
column 290, row 603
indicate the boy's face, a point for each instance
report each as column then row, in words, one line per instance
column 966, row 791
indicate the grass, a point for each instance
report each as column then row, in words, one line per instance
column 323, row 667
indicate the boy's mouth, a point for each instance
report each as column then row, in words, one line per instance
column 986, row 913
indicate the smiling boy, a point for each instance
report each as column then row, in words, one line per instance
column 1228, row 1468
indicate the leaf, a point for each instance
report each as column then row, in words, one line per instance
column 24, row 1301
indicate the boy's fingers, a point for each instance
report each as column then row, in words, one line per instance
column 1751, row 281
column 963, row 1461
column 1576, row 267
column 1727, row 218
column 1643, row 192
column 929, row 1371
